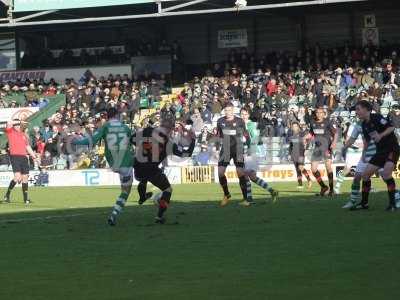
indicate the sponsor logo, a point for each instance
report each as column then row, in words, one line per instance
column 92, row 177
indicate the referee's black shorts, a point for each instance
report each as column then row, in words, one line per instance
column 20, row 164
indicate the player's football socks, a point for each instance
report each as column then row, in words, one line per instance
column 263, row 184
column 112, row 220
column 224, row 184
column 323, row 186
column 162, row 208
column 147, row 196
column 397, row 196
column 391, row 187
column 25, row 193
column 10, row 188
column 248, row 201
column 339, row 181
column 274, row 195
column 6, row 198
column 365, row 190
column 330, row 180
column 309, row 182
column 118, row 207
column 244, row 187
column 355, row 192
column 323, row 191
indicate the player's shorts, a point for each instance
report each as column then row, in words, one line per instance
column 20, row 164
column 321, row 154
column 380, row 159
column 251, row 163
column 125, row 175
column 226, row 157
column 353, row 159
column 361, row 166
column 152, row 174
column 298, row 160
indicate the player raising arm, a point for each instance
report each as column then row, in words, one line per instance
column 118, row 153
column 153, row 145
column 19, row 150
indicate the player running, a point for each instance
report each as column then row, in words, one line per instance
column 118, row 153
column 251, row 162
column 232, row 131
column 324, row 134
column 378, row 129
column 296, row 151
column 354, row 151
column 153, row 145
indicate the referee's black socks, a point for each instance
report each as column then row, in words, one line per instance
column 12, row 184
column 25, row 191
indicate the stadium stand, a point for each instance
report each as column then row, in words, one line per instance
column 279, row 88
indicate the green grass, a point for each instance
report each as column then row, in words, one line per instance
column 299, row 248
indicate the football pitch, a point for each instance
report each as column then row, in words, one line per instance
column 302, row 247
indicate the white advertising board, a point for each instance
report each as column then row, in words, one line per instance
column 274, row 173
column 89, row 177
column 59, row 75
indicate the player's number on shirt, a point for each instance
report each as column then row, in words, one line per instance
column 117, row 141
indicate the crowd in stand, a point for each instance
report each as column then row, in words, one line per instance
column 279, row 88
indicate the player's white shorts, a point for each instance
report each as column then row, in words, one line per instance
column 361, row 166
column 352, row 159
column 125, row 175
column 251, row 163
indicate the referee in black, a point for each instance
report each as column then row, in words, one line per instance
column 20, row 150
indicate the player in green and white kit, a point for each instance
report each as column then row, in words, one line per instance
column 366, row 155
column 118, row 153
column 251, row 163
column 353, row 154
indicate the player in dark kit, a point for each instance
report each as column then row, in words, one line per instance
column 232, row 131
column 153, row 145
column 324, row 134
column 296, row 150
column 378, row 129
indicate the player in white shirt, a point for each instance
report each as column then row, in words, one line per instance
column 353, row 154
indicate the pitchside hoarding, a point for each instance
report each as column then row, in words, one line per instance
column 59, row 75
column 38, row 5
column 89, row 177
